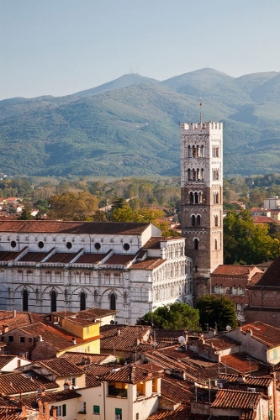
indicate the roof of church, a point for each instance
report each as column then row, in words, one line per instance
column 53, row 226
column 271, row 276
column 236, row 270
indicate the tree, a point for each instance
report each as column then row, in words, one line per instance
column 177, row 316
column 245, row 243
column 26, row 215
column 216, row 312
column 73, row 206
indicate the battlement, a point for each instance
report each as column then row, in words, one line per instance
column 206, row 127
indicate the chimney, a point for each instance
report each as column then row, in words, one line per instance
column 74, row 341
column 118, row 332
column 14, row 313
column 40, row 338
column 66, row 386
column 47, row 411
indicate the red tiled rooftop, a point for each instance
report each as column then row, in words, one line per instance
column 90, row 258
column 154, row 242
column 84, row 360
column 62, row 257
column 14, row 319
column 263, row 332
column 241, row 363
column 235, row 399
column 248, row 380
column 148, row 264
column 52, row 226
column 60, row 367
column 16, row 383
column 262, row 219
column 33, row 257
column 121, row 337
column 8, row 255
column 117, row 259
column 236, row 270
column 221, row 342
column 134, row 374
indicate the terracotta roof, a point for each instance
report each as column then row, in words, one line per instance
column 263, row 332
column 16, row 383
column 262, row 219
column 90, row 258
column 83, row 360
column 148, row 264
column 33, row 257
column 227, row 398
column 52, row 226
column 183, row 412
column 241, row 363
column 221, row 342
column 154, row 242
column 14, row 319
column 60, row 367
column 236, row 270
column 135, row 373
column 256, row 278
column 122, row 337
column 8, row 255
column 271, row 276
column 90, row 315
column 62, row 257
column 52, row 397
column 117, row 259
column 252, row 381
column 56, row 338
column 176, row 390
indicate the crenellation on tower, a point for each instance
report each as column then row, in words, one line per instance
column 202, row 198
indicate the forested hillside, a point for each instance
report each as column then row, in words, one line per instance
column 130, row 126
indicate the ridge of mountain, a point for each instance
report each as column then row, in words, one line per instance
column 130, row 126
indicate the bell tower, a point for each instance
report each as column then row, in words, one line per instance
column 202, row 199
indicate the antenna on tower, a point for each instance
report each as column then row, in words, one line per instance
column 200, row 112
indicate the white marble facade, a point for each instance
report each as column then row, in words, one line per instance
column 68, row 266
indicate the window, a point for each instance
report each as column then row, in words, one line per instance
column 239, row 307
column 53, row 301
column 218, row 290
column 198, row 220
column 215, row 152
column 216, row 244
column 82, row 301
column 113, row 302
column 2, row 338
column 118, row 413
column 215, row 175
column 10, row 338
column 193, row 220
column 22, row 339
column 60, row 410
column 216, row 221
column 83, row 408
column 25, row 300
column 196, row 241
column 96, row 409
column 215, row 197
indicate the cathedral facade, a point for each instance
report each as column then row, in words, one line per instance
column 202, row 199
column 51, row 266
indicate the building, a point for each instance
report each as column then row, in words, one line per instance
column 50, row 266
column 202, row 198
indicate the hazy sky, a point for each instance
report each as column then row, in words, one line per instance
column 58, row 47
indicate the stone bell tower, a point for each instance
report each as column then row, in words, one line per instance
column 202, row 199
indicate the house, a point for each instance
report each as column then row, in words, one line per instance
column 232, row 281
column 9, row 363
column 264, row 297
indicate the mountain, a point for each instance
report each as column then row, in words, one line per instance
column 130, row 126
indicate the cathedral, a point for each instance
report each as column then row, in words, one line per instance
column 49, row 266
column 52, row 266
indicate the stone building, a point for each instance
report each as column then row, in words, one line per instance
column 49, row 266
column 202, row 199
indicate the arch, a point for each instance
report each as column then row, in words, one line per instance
column 25, row 300
column 53, row 301
column 194, row 151
column 83, row 298
column 113, row 302
column 198, row 220
column 202, row 174
column 189, row 152
column 196, row 243
column 193, row 220
column 194, row 175
column 189, row 175
column 191, row 197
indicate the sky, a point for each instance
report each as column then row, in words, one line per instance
column 58, row 47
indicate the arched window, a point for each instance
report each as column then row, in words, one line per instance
column 216, row 244
column 194, row 151
column 193, row 220
column 191, row 198
column 25, row 300
column 202, row 151
column 202, row 174
column 196, row 241
column 53, row 301
column 113, row 302
column 189, row 151
column 95, row 296
column 198, row 174
column 216, row 220
column 198, row 220
column 196, row 198
column 82, row 301
column 189, row 175
column 194, row 175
